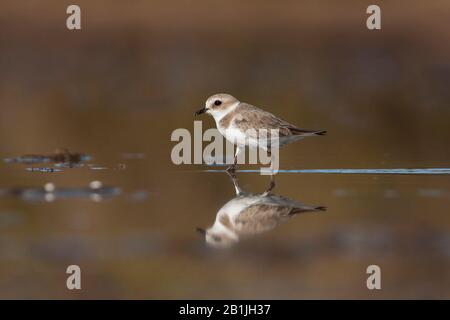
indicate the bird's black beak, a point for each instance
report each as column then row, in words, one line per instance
column 201, row 231
column 199, row 112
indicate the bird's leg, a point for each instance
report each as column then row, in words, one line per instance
column 272, row 183
column 271, row 186
column 232, row 169
column 272, row 177
column 234, row 179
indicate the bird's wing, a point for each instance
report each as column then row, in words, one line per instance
column 251, row 117
column 296, row 206
column 259, row 218
column 268, row 212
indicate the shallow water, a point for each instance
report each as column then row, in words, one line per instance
column 128, row 216
column 142, row 241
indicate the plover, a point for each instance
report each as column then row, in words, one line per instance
column 250, row 214
column 240, row 123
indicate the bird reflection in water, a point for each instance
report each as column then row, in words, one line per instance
column 249, row 214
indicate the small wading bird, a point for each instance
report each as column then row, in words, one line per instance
column 250, row 214
column 240, row 123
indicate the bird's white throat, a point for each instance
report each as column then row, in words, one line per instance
column 218, row 227
column 219, row 114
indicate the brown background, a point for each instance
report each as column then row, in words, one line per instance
column 138, row 70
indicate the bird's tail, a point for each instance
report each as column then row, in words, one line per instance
column 307, row 209
column 303, row 132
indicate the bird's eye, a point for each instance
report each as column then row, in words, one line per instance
column 217, row 102
column 217, row 239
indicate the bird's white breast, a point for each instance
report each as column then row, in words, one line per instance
column 235, row 135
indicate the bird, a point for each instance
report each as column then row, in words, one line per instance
column 240, row 122
column 249, row 214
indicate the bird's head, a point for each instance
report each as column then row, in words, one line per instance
column 219, row 105
column 217, row 239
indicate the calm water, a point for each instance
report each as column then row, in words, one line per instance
column 127, row 216
column 138, row 239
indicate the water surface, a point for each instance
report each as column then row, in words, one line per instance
column 117, row 89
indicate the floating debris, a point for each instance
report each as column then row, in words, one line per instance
column 69, row 165
column 98, row 168
column 61, row 157
column 49, row 197
column 28, row 159
column 49, row 192
column 47, row 170
column 120, row 166
column 95, row 184
column 49, row 187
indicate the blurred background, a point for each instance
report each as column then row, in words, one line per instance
column 117, row 88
